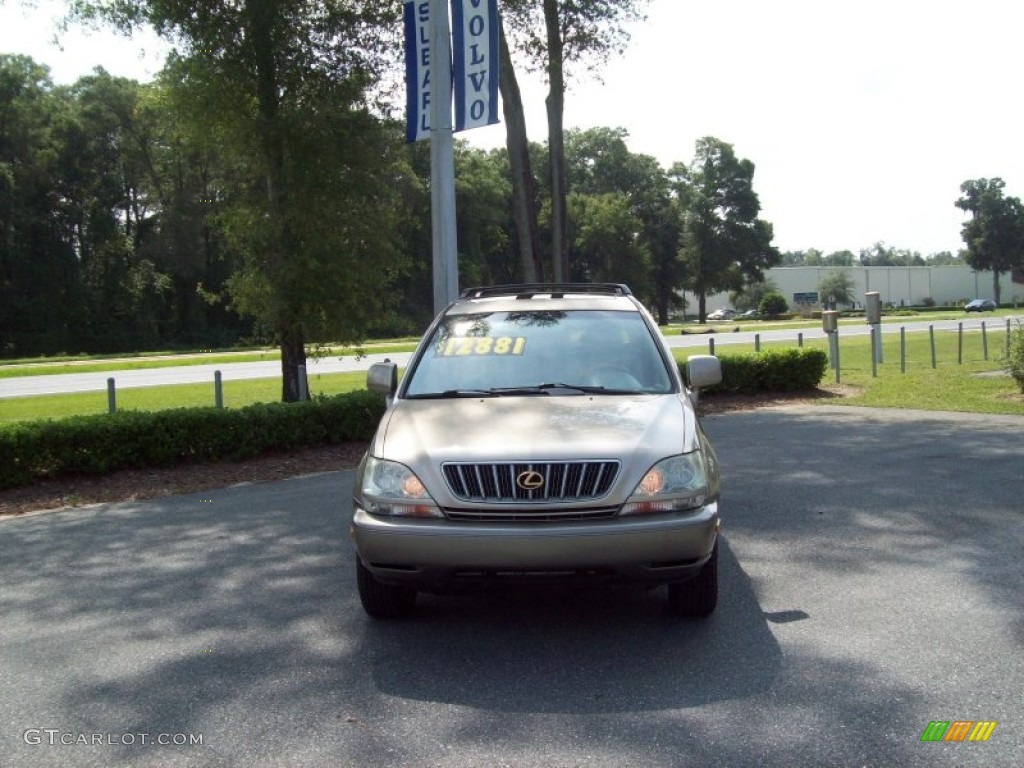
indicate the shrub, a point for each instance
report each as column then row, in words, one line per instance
column 1014, row 359
column 773, row 304
column 136, row 439
column 772, row 370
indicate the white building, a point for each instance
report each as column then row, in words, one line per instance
column 896, row 286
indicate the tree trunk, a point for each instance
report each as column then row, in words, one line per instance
column 260, row 17
column 556, row 145
column 995, row 286
column 524, row 192
column 293, row 365
column 663, row 302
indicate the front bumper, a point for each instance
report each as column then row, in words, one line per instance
column 644, row 549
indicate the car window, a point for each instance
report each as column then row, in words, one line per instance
column 501, row 350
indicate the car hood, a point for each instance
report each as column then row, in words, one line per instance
column 636, row 429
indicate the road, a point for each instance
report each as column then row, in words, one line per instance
column 870, row 584
column 197, row 374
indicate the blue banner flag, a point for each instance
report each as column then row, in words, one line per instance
column 475, row 62
column 417, row 70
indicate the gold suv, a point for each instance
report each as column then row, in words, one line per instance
column 540, row 432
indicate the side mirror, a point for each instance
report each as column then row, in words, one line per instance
column 703, row 371
column 383, row 378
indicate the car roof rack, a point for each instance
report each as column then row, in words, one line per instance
column 556, row 290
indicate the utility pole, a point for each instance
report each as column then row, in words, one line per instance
column 442, row 160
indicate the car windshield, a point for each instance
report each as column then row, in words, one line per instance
column 539, row 353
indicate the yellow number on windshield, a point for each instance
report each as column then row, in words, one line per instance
column 460, row 346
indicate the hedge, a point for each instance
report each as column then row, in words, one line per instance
column 771, row 370
column 95, row 445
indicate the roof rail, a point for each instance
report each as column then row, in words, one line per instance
column 557, row 290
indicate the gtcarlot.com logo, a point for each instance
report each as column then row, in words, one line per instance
column 56, row 737
column 958, row 730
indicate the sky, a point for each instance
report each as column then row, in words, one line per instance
column 862, row 118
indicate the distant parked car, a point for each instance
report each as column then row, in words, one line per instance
column 750, row 314
column 980, row 305
column 722, row 314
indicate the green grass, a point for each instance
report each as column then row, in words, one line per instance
column 45, row 367
column 236, row 395
column 895, row 317
column 950, row 386
column 15, row 370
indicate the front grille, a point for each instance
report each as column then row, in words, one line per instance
column 539, row 482
column 535, row 515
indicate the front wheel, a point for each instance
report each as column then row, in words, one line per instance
column 383, row 601
column 698, row 596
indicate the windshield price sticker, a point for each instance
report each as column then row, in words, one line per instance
column 463, row 346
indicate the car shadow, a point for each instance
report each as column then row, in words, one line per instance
column 579, row 650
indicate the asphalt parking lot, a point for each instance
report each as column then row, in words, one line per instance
column 871, row 584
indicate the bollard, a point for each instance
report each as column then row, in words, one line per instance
column 303, row 388
column 984, row 339
column 800, row 339
column 903, row 349
column 711, row 346
column 959, row 343
column 757, row 342
column 218, row 391
column 873, row 315
column 111, row 397
column 836, row 334
column 874, row 351
column 833, row 350
column 931, row 339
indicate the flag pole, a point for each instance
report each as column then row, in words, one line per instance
column 442, row 160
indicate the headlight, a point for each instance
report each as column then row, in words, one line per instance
column 674, row 484
column 390, row 488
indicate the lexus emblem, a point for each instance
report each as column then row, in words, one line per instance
column 530, row 480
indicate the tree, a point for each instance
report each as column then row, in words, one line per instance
column 995, row 232
column 839, row 259
column 605, row 247
column 585, row 31
column 724, row 242
column 482, row 194
column 751, row 294
column 599, row 163
column 881, row 255
column 773, row 304
column 944, row 259
column 836, row 288
column 524, row 185
column 809, row 258
column 106, row 194
column 40, row 304
column 285, row 84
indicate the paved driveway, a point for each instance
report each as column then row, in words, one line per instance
column 871, row 583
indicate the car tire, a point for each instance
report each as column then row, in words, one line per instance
column 383, row 601
column 697, row 597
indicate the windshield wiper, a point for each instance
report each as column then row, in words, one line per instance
column 534, row 389
column 454, row 393
column 545, row 389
